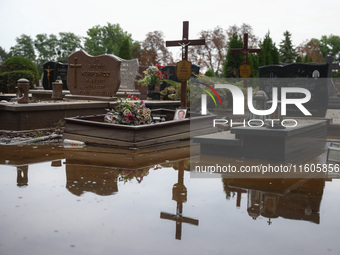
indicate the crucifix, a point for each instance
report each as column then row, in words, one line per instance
column 75, row 66
column 245, row 52
column 48, row 70
column 185, row 43
column 331, row 66
column 179, row 194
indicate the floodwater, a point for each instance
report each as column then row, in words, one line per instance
column 95, row 201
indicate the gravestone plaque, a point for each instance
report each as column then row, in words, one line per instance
column 51, row 72
column 61, row 71
column 128, row 73
column 97, row 76
column 311, row 76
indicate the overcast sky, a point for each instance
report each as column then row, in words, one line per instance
column 305, row 19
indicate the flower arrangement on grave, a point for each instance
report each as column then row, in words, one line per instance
column 129, row 113
column 153, row 76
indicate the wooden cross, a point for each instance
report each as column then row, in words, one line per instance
column 48, row 70
column 75, row 66
column 245, row 52
column 185, row 43
column 178, row 217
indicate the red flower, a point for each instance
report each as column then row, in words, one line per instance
column 166, row 75
column 129, row 95
column 125, row 92
column 159, row 66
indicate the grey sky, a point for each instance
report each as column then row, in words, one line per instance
column 305, row 19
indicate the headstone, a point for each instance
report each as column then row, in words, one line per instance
column 52, row 70
column 49, row 74
column 311, row 76
column 95, row 76
column 128, row 74
column 61, row 71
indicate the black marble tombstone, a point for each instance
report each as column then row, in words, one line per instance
column 51, row 71
column 311, row 76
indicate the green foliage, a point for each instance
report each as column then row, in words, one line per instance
column 210, row 73
column 15, row 68
column 105, row 40
column 298, row 59
column 125, row 50
column 269, row 53
column 4, row 55
column 287, row 51
column 233, row 60
column 24, row 47
column 330, row 45
column 307, row 59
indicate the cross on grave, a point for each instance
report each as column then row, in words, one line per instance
column 48, row 70
column 179, row 194
column 331, row 66
column 75, row 66
column 185, row 43
column 245, row 52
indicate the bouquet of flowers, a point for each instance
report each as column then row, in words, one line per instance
column 129, row 113
column 153, row 76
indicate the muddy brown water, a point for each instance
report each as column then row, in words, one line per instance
column 57, row 200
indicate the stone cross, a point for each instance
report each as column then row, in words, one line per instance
column 48, row 70
column 185, row 43
column 245, row 52
column 75, row 66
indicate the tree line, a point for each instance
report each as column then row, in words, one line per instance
column 215, row 56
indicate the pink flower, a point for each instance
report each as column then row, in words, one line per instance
column 129, row 95
column 129, row 118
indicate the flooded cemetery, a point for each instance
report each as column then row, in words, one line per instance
column 100, row 159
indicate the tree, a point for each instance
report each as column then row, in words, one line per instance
column 312, row 48
column 298, row 59
column 330, row 45
column 154, row 50
column 105, row 40
column 240, row 31
column 212, row 54
column 67, row 44
column 233, row 60
column 269, row 53
column 4, row 55
column 125, row 51
column 24, row 47
column 287, row 51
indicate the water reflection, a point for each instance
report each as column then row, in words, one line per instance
column 179, row 194
column 128, row 202
column 22, row 176
column 297, row 199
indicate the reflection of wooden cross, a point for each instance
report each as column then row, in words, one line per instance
column 245, row 52
column 75, row 66
column 185, row 43
column 48, row 70
column 179, row 194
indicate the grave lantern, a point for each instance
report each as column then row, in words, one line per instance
column 57, row 87
column 275, row 119
column 23, row 86
column 259, row 102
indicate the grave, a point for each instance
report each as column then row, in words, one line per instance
column 53, row 70
column 93, row 77
column 311, row 76
column 128, row 74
